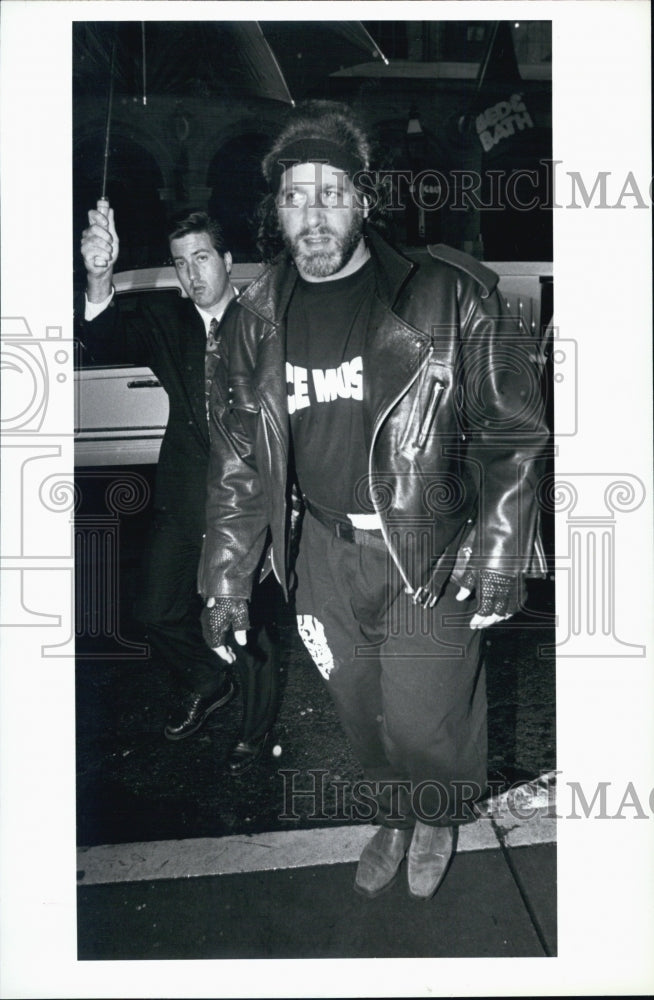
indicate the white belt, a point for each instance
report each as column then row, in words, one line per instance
column 366, row 522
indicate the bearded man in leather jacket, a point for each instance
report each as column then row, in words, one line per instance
column 406, row 406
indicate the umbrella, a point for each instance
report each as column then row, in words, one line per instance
column 276, row 60
column 280, row 60
column 310, row 51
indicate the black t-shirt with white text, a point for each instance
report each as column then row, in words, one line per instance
column 326, row 329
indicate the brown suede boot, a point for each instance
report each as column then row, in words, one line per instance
column 429, row 856
column 380, row 860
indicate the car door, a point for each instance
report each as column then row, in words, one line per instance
column 121, row 409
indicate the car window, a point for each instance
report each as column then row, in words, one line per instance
column 130, row 303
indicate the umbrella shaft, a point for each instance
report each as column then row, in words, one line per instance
column 107, row 130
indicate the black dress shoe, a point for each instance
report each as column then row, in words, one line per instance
column 245, row 754
column 194, row 710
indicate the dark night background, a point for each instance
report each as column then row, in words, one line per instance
column 199, row 138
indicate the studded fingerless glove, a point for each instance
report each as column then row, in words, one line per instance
column 227, row 613
column 497, row 593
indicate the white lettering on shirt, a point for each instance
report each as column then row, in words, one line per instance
column 298, row 395
column 344, row 382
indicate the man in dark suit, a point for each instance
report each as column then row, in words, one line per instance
column 179, row 339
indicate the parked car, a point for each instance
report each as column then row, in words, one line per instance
column 121, row 410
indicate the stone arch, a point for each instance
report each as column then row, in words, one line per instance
column 135, row 177
column 234, row 177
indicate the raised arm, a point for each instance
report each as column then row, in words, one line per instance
column 99, row 247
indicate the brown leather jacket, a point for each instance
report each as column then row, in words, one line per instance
column 453, row 415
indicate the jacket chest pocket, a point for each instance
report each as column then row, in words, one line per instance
column 428, row 397
column 242, row 409
column 241, row 397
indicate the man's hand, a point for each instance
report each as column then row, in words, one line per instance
column 499, row 596
column 99, row 248
column 477, row 620
column 219, row 616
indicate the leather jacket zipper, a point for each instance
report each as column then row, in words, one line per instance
column 435, row 391
column 380, row 420
column 264, row 424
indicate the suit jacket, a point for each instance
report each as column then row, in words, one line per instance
column 168, row 335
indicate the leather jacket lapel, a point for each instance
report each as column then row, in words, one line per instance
column 271, row 386
column 392, row 270
column 393, row 356
column 269, row 294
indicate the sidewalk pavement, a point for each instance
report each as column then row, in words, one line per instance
column 289, row 894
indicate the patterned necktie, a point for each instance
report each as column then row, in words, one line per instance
column 212, row 336
column 210, row 359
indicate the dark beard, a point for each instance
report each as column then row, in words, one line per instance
column 322, row 263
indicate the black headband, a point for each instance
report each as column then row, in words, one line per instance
column 313, row 149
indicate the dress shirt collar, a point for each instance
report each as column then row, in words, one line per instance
column 208, row 316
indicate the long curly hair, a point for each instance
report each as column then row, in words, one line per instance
column 328, row 120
